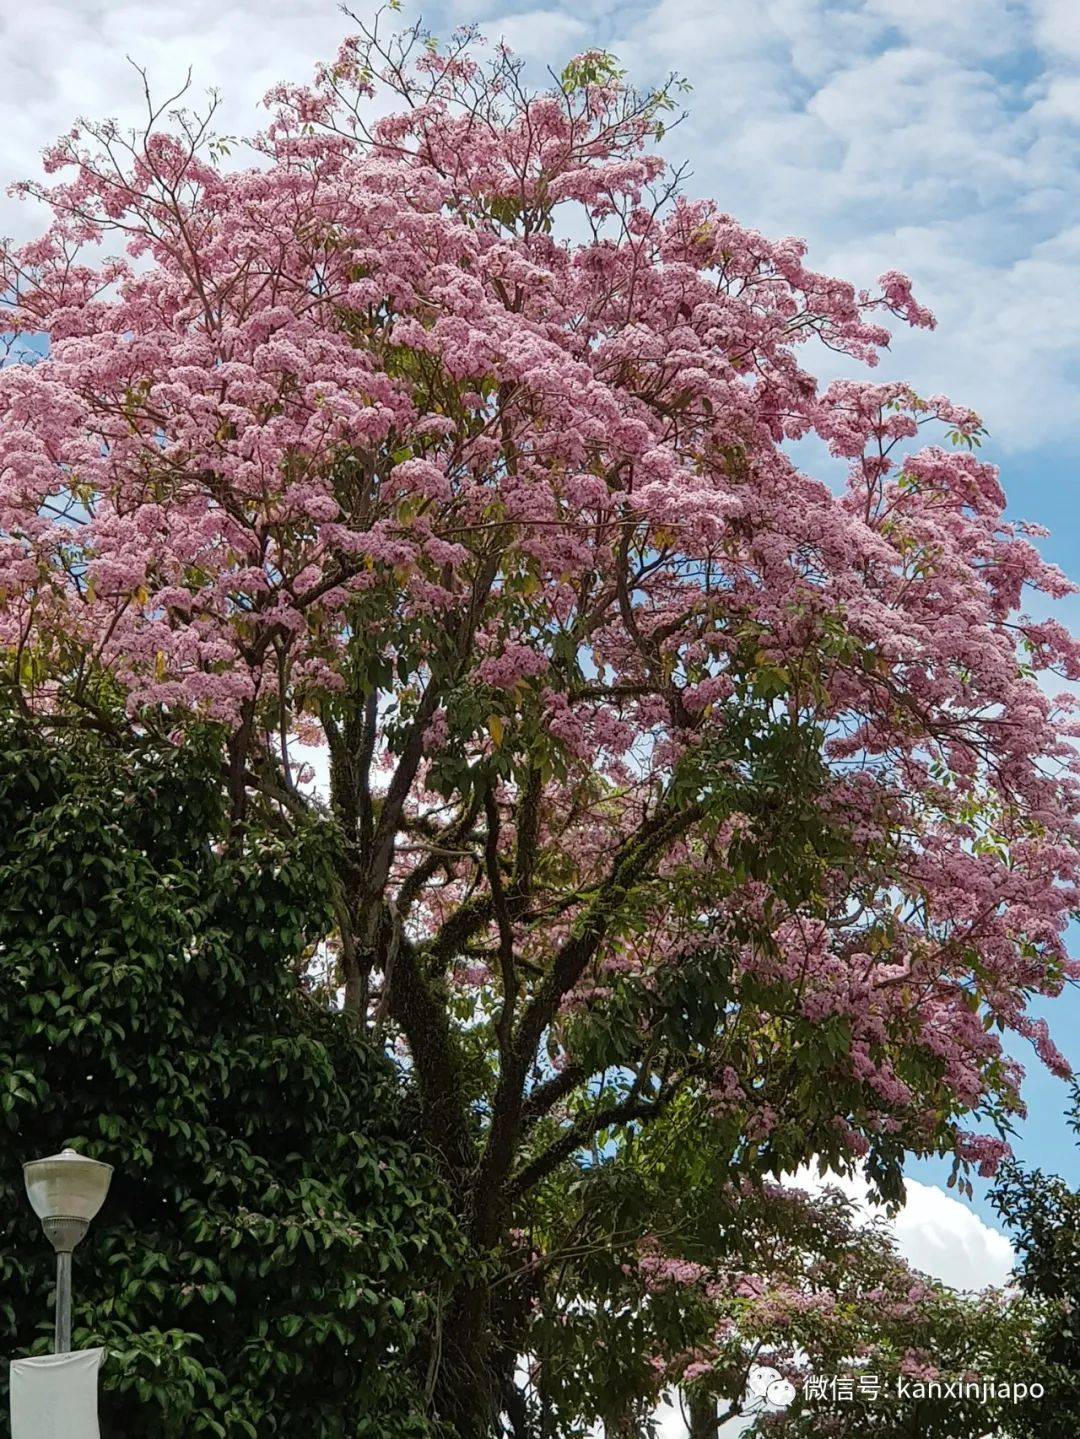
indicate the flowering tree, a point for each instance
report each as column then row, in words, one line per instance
column 759, row 1301
column 449, row 437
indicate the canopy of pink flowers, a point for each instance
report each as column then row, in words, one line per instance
column 465, row 391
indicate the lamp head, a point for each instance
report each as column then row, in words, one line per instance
column 66, row 1191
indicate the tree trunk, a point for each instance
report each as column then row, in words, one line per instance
column 704, row 1421
column 482, row 1340
column 469, row 1388
column 621, row 1428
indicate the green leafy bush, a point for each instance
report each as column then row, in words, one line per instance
column 272, row 1245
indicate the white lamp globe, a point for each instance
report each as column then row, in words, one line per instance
column 66, row 1186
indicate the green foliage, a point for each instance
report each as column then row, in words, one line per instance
column 607, row 1339
column 1044, row 1214
column 272, row 1245
column 595, row 67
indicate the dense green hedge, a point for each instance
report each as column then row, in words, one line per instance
column 272, row 1244
column 1042, row 1213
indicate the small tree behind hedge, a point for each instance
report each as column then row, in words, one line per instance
column 1043, row 1215
column 271, row 1245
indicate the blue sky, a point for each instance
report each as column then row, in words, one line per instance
column 938, row 138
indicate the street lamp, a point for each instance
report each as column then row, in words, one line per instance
column 66, row 1191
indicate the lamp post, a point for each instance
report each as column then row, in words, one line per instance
column 66, row 1191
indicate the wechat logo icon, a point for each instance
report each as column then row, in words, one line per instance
column 769, row 1384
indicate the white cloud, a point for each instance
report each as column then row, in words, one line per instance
column 941, row 1236
column 1057, row 29
column 935, row 1232
column 982, row 28
column 1061, row 100
column 61, row 59
column 550, row 36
